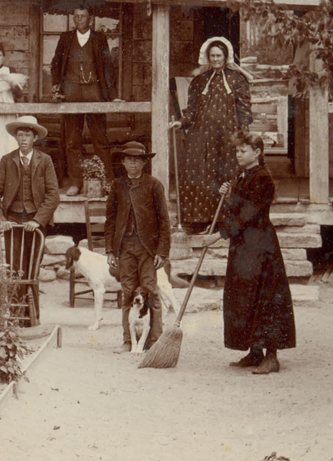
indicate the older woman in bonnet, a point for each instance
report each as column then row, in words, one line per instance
column 218, row 105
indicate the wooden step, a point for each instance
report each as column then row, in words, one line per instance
column 291, row 254
column 217, row 267
column 204, row 299
column 286, row 239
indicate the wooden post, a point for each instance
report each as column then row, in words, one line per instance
column 160, row 94
column 319, row 141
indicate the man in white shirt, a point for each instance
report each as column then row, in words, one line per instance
column 82, row 71
column 28, row 182
column 29, row 193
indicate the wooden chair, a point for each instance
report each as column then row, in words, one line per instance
column 24, row 252
column 95, row 218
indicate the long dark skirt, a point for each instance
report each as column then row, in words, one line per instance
column 257, row 300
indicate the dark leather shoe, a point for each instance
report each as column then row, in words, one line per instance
column 250, row 360
column 125, row 347
column 270, row 364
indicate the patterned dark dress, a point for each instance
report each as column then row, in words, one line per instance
column 257, row 305
column 209, row 158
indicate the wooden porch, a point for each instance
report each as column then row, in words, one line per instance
column 312, row 195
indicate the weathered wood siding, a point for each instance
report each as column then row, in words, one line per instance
column 19, row 32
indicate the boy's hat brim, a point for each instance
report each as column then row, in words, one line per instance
column 137, row 153
column 135, row 149
column 27, row 121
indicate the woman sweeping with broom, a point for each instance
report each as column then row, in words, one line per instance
column 257, row 305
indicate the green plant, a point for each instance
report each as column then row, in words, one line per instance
column 12, row 348
column 93, row 168
column 310, row 31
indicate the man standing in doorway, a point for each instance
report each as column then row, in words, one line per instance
column 82, row 72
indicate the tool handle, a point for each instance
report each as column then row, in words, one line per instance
column 1, row 255
column 196, row 271
column 175, row 157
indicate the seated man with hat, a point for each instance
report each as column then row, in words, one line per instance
column 28, row 182
column 137, row 235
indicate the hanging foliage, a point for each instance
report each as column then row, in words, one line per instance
column 309, row 32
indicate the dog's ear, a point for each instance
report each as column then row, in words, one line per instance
column 76, row 253
column 147, row 302
column 72, row 254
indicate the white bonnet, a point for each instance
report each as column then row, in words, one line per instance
column 203, row 59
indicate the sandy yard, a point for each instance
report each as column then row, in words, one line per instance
column 85, row 402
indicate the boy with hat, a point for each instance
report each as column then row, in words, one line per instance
column 137, row 235
column 28, row 182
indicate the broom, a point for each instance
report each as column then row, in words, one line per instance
column 175, row 157
column 165, row 352
column 180, row 248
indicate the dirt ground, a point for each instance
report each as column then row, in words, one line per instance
column 84, row 402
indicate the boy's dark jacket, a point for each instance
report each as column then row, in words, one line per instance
column 151, row 215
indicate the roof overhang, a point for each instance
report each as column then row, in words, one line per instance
column 60, row 5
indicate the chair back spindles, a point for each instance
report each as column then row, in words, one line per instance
column 32, row 253
column 21, row 269
column 24, row 252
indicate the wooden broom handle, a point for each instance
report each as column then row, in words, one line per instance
column 196, row 271
column 1, row 255
column 175, row 157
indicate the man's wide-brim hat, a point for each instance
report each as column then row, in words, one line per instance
column 135, row 149
column 27, row 121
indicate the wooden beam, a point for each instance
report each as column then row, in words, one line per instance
column 34, row 54
column 318, row 140
column 160, row 94
column 292, row 4
column 298, row 3
column 75, row 107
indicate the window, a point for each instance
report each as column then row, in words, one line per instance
column 107, row 20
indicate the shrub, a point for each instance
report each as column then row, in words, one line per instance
column 12, row 348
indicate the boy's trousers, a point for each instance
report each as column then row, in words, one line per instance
column 136, row 268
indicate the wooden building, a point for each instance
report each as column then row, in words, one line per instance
column 152, row 41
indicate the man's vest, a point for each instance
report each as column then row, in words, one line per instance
column 24, row 199
column 81, row 63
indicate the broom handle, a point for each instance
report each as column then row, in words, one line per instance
column 175, row 157
column 196, row 271
column 1, row 255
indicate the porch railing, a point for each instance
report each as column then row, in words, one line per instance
column 75, row 107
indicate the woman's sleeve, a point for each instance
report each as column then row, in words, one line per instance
column 190, row 112
column 243, row 101
column 242, row 212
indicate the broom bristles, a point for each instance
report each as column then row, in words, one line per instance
column 165, row 352
column 180, row 248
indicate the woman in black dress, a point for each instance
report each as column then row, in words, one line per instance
column 257, row 305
